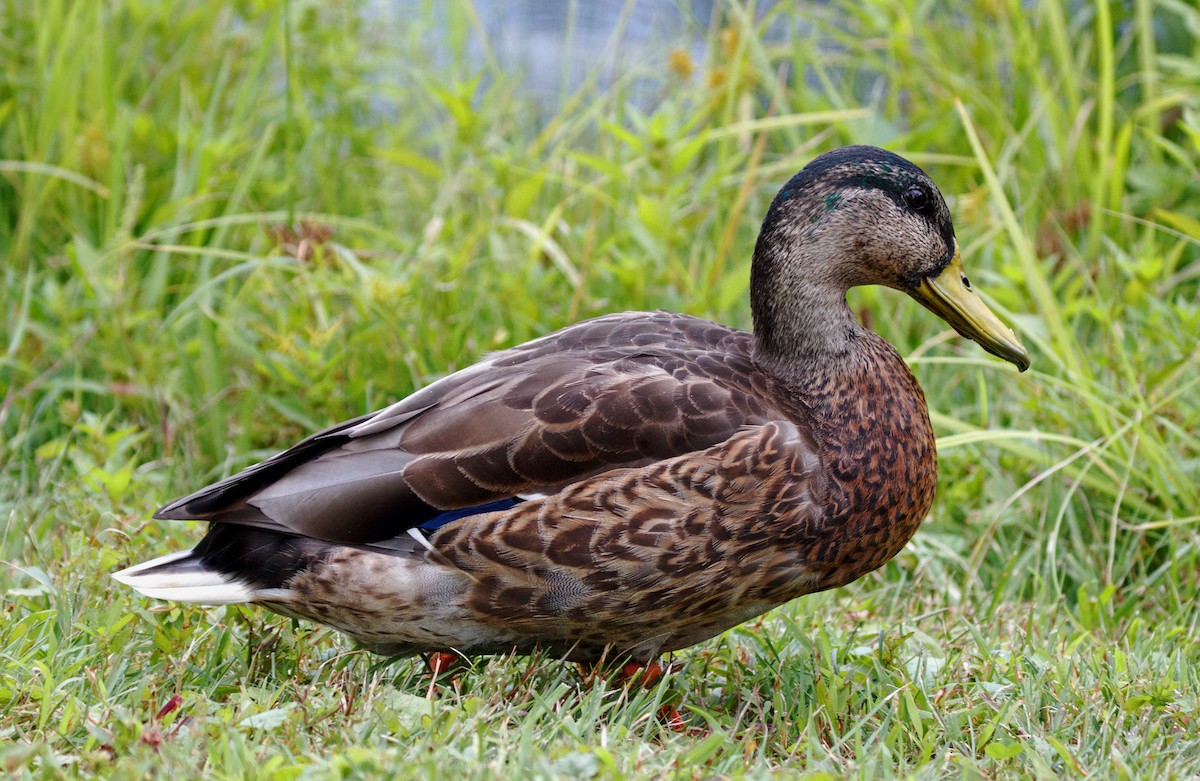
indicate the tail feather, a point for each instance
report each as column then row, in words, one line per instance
column 183, row 577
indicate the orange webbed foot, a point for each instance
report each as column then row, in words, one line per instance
column 648, row 676
column 442, row 661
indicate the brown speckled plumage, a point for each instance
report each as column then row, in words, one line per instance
column 658, row 478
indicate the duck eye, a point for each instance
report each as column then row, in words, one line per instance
column 916, row 198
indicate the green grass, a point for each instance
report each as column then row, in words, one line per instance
column 199, row 268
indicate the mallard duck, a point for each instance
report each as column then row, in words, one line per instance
column 626, row 486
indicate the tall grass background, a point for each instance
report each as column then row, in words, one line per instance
column 226, row 224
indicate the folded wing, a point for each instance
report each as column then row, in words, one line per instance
column 618, row 391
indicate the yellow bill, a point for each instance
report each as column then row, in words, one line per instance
column 949, row 295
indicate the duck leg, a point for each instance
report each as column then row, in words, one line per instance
column 648, row 676
column 439, row 662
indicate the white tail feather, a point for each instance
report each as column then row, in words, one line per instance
column 187, row 581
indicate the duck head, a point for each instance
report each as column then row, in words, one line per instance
column 860, row 216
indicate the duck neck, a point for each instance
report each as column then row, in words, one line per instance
column 814, row 327
column 798, row 284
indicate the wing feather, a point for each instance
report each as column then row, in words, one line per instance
column 617, row 391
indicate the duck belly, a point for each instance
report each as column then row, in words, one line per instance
column 391, row 604
column 416, row 600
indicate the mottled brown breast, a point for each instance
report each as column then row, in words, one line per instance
column 872, row 422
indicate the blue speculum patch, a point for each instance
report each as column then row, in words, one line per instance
column 440, row 520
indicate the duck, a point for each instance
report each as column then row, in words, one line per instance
column 630, row 485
